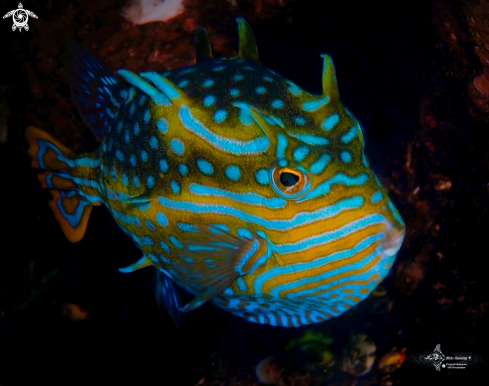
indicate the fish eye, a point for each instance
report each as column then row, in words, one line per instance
column 289, row 182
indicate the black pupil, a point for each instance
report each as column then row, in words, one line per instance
column 288, row 179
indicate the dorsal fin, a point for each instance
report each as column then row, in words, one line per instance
column 247, row 43
column 95, row 90
column 203, row 49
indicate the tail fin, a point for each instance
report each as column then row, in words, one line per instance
column 69, row 178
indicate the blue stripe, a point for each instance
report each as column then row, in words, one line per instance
column 316, row 263
column 348, row 136
column 245, row 198
column 330, row 236
column 300, row 153
column 196, row 248
column 87, row 162
column 350, row 267
column 242, row 232
column 238, row 268
column 318, row 166
column 314, row 104
column 281, row 145
column 229, row 145
column 314, row 140
column 262, row 259
column 162, row 84
column 339, row 178
column 293, row 88
column 298, row 220
column 159, row 98
column 330, row 122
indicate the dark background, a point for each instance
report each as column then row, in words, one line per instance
column 405, row 69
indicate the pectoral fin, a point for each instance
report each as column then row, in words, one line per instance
column 211, row 260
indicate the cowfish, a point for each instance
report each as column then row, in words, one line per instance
column 238, row 186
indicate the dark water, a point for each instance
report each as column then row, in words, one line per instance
column 395, row 73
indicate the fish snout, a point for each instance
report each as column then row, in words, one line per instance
column 392, row 241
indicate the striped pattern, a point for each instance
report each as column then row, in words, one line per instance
column 247, row 190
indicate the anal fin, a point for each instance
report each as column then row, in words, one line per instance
column 167, row 295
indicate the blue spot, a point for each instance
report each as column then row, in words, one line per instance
column 318, row 166
column 161, row 219
column 233, row 172
column 113, row 174
column 119, row 155
column 183, row 169
column 330, row 122
column 208, row 83
column 175, row 242
column 126, row 136
column 300, row 153
column 283, row 163
column 186, row 227
column 267, row 79
column 348, row 136
column 188, row 259
column 300, row 121
column 242, row 232
column 238, row 77
column 150, row 182
column 175, row 187
column 142, row 100
column 218, row 68
column 241, row 284
column 146, row 116
column 294, row 89
column 205, row 167
column 234, row 92
column 144, row 155
column 208, row 100
column 162, row 125
column 376, row 197
column 163, row 165
column 153, row 142
column 146, row 240
column 220, row 115
column 222, row 227
column 281, row 145
column 136, row 128
column 183, row 83
column 277, row 104
column 132, row 108
column 262, row 176
column 245, row 117
column 150, row 225
column 165, row 246
column 314, row 105
column 345, row 156
column 177, row 146
column 260, row 90
column 119, row 126
column 135, row 181
column 125, row 180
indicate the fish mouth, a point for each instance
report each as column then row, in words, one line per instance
column 392, row 241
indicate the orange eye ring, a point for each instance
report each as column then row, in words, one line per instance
column 289, row 182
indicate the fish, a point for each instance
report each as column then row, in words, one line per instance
column 237, row 186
